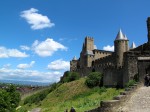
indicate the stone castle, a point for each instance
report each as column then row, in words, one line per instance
column 118, row 67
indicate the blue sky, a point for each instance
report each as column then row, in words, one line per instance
column 38, row 38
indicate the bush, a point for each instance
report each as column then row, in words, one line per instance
column 130, row 83
column 73, row 76
column 70, row 76
column 93, row 79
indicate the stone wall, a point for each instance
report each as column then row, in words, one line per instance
column 143, row 68
column 113, row 77
column 100, row 54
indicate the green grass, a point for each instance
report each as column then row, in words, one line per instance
column 74, row 94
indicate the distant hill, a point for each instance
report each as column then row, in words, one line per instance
column 75, row 94
column 25, row 82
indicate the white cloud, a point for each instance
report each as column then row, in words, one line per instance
column 6, row 65
column 29, row 75
column 23, row 47
column 24, row 66
column 36, row 20
column 59, row 65
column 108, row 48
column 47, row 47
column 6, row 53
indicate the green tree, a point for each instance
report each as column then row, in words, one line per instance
column 73, row 76
column 93, row 79
column 9, row 99
column 4, row 101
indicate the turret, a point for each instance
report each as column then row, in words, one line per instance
column 73, row 64
column 121, row 46
column 133, row 45
column 148, row 28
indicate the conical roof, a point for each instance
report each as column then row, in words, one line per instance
column 133, row 45
column 120, row 36
column 125, row 37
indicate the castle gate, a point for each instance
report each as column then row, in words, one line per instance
column 143, row 67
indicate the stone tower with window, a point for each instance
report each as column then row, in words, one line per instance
column 121, row 46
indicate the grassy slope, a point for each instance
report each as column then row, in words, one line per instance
column 74, row 94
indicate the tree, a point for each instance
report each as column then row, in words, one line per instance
column 9, row 99
column 93, row 79
column 73, row 76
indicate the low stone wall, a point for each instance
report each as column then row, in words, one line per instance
column 113, row 105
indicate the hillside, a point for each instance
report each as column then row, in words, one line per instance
column 74, row 94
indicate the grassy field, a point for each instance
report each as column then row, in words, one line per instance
column 74, row 94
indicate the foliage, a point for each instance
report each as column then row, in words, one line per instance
column 93, row 79
column 69, row 76
column 130, row 83
column 9, row 99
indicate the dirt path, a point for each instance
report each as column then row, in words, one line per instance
column 139, row 102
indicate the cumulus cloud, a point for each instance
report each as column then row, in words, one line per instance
column 59, row 65
column 36, row 20
column 108, row 48
column 29, row 75
column 6, row 53
column 24, row 66
column 47, row 47
column 23, row 47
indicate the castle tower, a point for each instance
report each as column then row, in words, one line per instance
column 121, row 46
column 148, row 28
column 86, row 55
column 89, row 44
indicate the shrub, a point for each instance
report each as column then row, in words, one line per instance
column 73, row 76
column 93, row 79
column 101, row 90
column 69, row 76
column 130, row 83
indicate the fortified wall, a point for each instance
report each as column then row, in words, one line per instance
column 118, row 67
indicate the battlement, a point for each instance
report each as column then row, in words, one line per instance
column 107, row 60
column 89, row 38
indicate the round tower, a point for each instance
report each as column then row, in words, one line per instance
column 121, row 46
column 148, row 28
